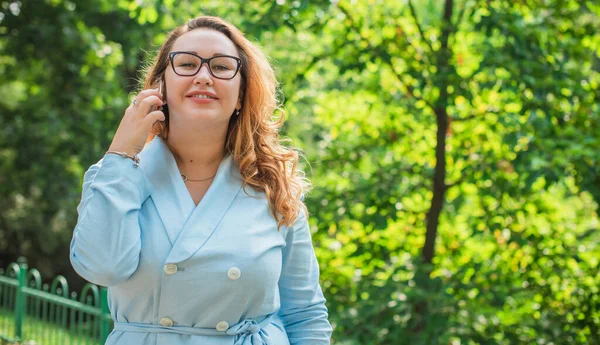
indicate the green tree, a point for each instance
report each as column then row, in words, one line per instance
column 467, row 124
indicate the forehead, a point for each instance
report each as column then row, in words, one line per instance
column 205, row 42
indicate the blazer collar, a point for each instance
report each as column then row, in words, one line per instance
column 188, row 226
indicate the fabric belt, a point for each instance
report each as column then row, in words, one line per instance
column 246, row 332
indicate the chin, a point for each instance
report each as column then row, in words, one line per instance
column 203, row 117
column 194, row 113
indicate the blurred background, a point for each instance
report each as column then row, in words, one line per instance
column 453, row 147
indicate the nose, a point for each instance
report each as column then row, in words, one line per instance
column 203, row 76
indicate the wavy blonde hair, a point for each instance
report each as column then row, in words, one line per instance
column 252, row 137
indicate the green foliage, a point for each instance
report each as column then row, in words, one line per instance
column 512, row 85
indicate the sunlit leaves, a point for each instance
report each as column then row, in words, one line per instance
column 517, row 255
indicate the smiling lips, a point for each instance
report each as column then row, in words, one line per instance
column 201, row 95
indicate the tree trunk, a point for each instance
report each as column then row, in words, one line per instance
column 441, row 113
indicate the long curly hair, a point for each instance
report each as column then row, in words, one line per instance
column 252, row 137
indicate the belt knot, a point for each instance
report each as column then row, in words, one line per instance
column 250, row 332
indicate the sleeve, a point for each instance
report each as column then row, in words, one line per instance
column 303, row 309
column 106, row 242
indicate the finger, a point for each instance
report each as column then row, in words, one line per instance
column 154, row 116
column 146, row 104
column 148, row 92
column 144, row 94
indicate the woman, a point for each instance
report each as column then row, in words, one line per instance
column 202, row 238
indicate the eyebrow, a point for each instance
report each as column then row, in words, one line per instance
column 215, row 54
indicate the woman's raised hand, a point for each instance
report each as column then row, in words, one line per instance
column 137, row 122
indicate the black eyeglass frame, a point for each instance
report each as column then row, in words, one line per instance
column 202, row 61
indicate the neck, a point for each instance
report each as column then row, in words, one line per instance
column 198, row 154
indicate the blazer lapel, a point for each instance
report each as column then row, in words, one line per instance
column 172, row 199
column 209, row 212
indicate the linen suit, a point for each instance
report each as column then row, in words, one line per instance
column 179, row 274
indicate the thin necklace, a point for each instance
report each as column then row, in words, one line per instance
column 185, row 178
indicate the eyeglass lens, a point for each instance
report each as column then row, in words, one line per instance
column 220, row 66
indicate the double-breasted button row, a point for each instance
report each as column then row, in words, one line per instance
column 166, row 321
column 170, row 269
column 222, row 326
column 233, row 273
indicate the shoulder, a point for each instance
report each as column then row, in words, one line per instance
column 298, row 225
column 301, row 218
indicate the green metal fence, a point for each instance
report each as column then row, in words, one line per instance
column 42, row 314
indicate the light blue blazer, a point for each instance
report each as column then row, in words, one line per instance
column 179, row 274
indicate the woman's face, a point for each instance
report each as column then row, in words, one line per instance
column 223, row 95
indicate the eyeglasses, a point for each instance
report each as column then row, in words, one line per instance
column 221, row 66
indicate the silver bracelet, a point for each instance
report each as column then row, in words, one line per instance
column 136, row 160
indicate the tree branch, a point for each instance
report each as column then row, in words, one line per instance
column 455, row 183
column 461, row 15
column 385, row 57
column 414, row 15
column 408, row 87
column 467, row 118
column 302, row 75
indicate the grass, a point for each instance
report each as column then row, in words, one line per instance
column 39, row 332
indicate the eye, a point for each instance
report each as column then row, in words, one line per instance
column 220, row 67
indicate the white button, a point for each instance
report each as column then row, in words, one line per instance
column 167, row 322
column 234, row 273
column 170, row 269
column 222, row 326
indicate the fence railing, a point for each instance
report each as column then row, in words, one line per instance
column 36, row 313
